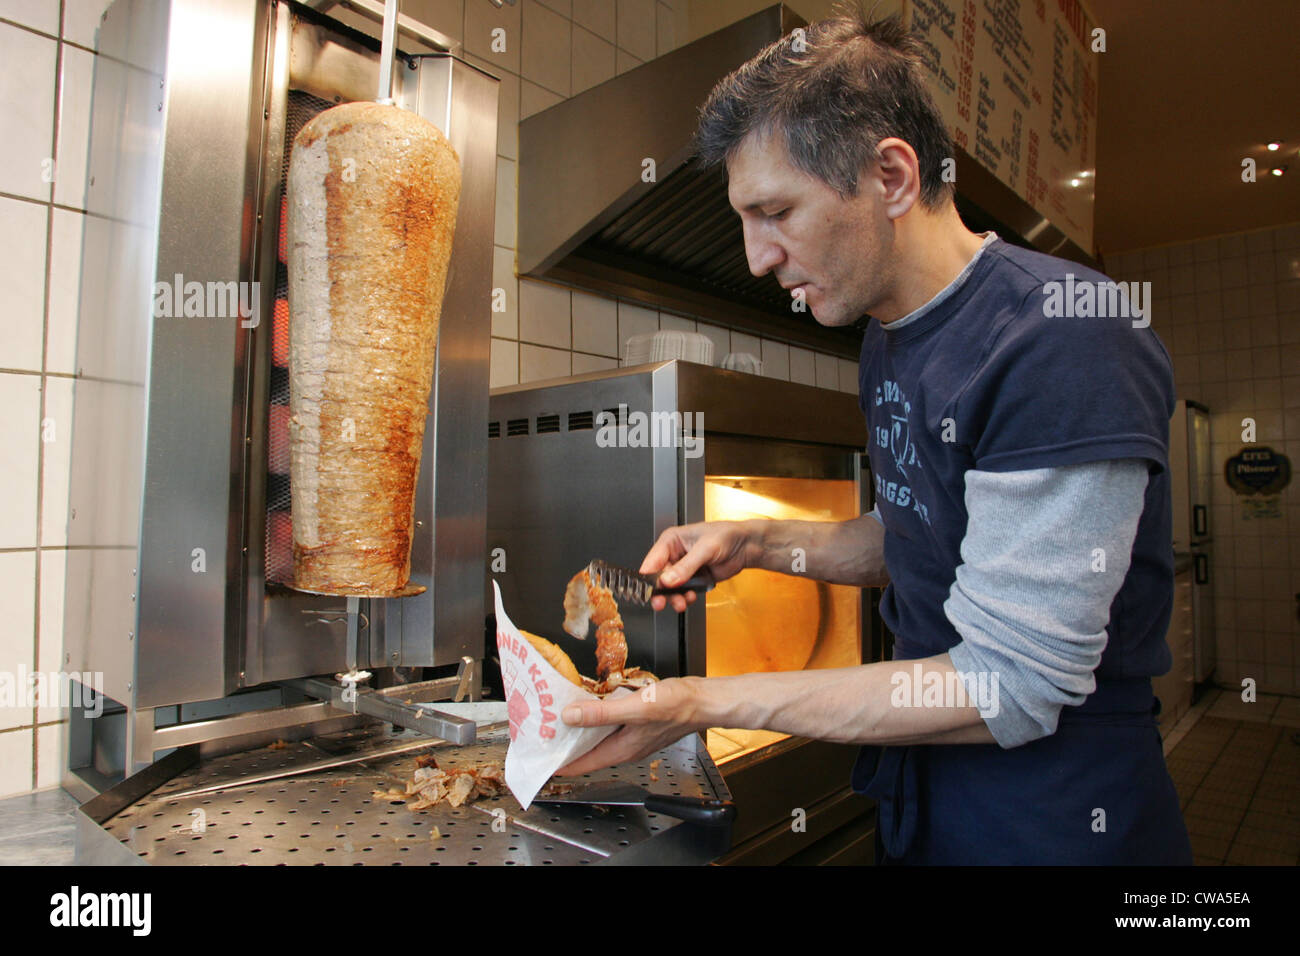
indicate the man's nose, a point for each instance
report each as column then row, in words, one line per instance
column 762, row 254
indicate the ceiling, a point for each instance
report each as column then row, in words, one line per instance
column 1187, row 90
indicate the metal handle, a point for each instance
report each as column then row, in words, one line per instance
column 707, row 811
column 700, row 583
column 1202, row 565
column 388, row 45
column 1200, row 519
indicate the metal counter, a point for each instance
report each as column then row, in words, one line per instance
column 341, row 815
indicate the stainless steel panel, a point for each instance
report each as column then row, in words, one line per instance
column 581, row 160
column 742, row 404
column 452, row 489
column 556, row 500
column 194, row 458
column 113, row 344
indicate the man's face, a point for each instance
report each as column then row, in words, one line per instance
column 836, row 250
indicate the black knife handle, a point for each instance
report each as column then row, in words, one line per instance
column 700, row 583
column 707, row 811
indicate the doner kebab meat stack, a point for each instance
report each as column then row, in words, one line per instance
column 373, row 192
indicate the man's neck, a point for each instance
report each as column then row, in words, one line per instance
column 933, row 249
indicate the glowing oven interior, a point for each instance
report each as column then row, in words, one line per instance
column 766, row 621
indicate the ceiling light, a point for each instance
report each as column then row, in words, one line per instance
column 1278, row 170
column 1274, row 147
column 1074, row 182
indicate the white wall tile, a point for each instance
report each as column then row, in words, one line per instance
column 15, row 762
column 507, row 203
column 636, row 27
column 18, row 636
column 20, row 408
column 598, row 16
column 40, row 15
column 81, row 20
column 505, row 324
column 593, row 60
column 1155, row 258
column 828, row 371
column 665, row 29
column 51, row 752
column 505, row 363
column 74, row 127
column 634, row 320
column 1259, row 241
column 776, row 360
column 676, row 323
column 507, row 106
column 1234, row 245
column 1259, row 268
column 22, row 283
column 65, row 289
column 508, row 116
column 1234, row 272
column 848, row 376
column 592, row 363
column 445, row 16
column 481, row 19
column 56, row 425
column 544, row 314
column 595, row 324
column 803, row 367
column 721, row 340
column 26, row 111
column 624, row 61
column 741, row 342
column 537, row 363
column 1287, row 265
column 534, row 99
column 49, row 645
column 547, row 45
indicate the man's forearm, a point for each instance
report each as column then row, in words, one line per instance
column 839, row 552
column 872, row 704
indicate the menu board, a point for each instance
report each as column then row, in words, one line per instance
column 1016, row 81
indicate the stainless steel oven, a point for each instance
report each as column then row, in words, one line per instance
column 598, row 465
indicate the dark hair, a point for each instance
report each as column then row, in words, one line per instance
column 853, row 84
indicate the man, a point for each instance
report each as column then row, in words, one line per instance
column 1023, row 518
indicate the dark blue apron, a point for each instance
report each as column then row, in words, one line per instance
column 1095, row 792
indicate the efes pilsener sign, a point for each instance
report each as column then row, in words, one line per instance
column 1257, row 471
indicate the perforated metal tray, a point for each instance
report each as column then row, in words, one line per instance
column 334, row 817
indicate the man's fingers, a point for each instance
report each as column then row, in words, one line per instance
column 664, row 550
column 629, row 709
column 700, row 554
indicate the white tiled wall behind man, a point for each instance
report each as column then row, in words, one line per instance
column 48, row 57
column 1228, row 310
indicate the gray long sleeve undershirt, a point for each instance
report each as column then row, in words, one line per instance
column 1027, row 601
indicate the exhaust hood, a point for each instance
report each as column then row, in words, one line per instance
column 612, row 199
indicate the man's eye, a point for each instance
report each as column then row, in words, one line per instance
column 780, row 215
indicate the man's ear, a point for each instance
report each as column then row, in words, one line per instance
column 899, row 175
